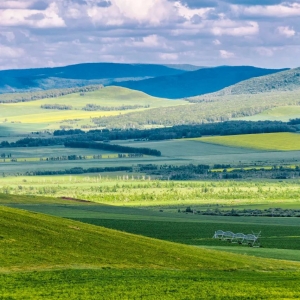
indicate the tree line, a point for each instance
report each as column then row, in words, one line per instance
column 185, row 131
column 175, row 132
column 57, row 106
column 78, row 170
column 55, row 93
column 115, row 148
column 94, row 107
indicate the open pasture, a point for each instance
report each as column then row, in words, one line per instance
column 17, row 116
column 139, row 191
column 267, row 141
column 149, row 284
column 281, row 113
column 277, row 233
column 56, row 258
column 174, row 152
column 200, row 151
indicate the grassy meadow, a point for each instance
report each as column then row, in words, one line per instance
column 268, row 141
column 136, row 190
column 175, row 152
column 282, row 113
column 30, row 115
column 127, row 235
column 56, row 258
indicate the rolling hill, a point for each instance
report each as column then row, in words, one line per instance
column 79, row 75
column 202, row 81
column 44, row 257
column 29, row 116
column 31, row 241
column 288, row 80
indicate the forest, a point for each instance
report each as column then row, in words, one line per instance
column 115, row 148
column 175, row 132
column 38, row 95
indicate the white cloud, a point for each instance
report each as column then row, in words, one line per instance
column 152, row 12
column 48, row 18
column 226, row 54
column 189, row 13
column 264, row 51
column 228, row 27
column 282, row 10
column 286, row 31
column 10, row 36
column 168, row 56
column 216, row 42
column 9, row 52
column 15, row 4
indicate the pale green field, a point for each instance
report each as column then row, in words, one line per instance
column 138, row 191
column 283, row 113
column 31, row 114
column 268, row 141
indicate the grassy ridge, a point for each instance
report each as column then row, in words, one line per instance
column 268, row 141
column 149, row 284
column 34, row 241
column 208, row 108
column 282, row 113
column 32, row 113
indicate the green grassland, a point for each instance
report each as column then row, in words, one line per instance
column 174, row 152
column 268, row 141
column 30, row 115
column 55, row 258
column 282, row 113
column 208, row 108
column 133, row 192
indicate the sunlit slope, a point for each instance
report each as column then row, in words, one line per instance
column 282, row 113
column 208, row 108
column 32, row 113
column 287, row 80
column 35, row 241
column 267, row 141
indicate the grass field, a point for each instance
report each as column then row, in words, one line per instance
column 135, row 192
column 267, row 141
column 55, row 258
column 175, row 152
column 29, row 115
column 282, row 113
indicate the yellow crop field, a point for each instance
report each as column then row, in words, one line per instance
column 267, row 141
column 37, row 118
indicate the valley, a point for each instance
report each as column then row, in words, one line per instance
column 111, row 192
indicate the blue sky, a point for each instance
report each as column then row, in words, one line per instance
column 45, row 33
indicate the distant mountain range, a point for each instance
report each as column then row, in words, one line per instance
column 282, row 81
column 199, row 82
column 80, row 75
column 166, row 81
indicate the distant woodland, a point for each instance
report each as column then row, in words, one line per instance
column 55, row 93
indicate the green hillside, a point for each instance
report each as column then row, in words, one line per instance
column 288, row 80
column 29, row 116
column 33, row 242
column 282, row 113
column 206, row 108
column 267, row 141
column 44, row 257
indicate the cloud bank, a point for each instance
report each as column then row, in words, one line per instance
column 36, row 33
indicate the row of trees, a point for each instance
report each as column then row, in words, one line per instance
column 94, row 107
column 115, row 148
column 79, row 170
column 55, row 93
column 57, row 106
column 185, row 131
